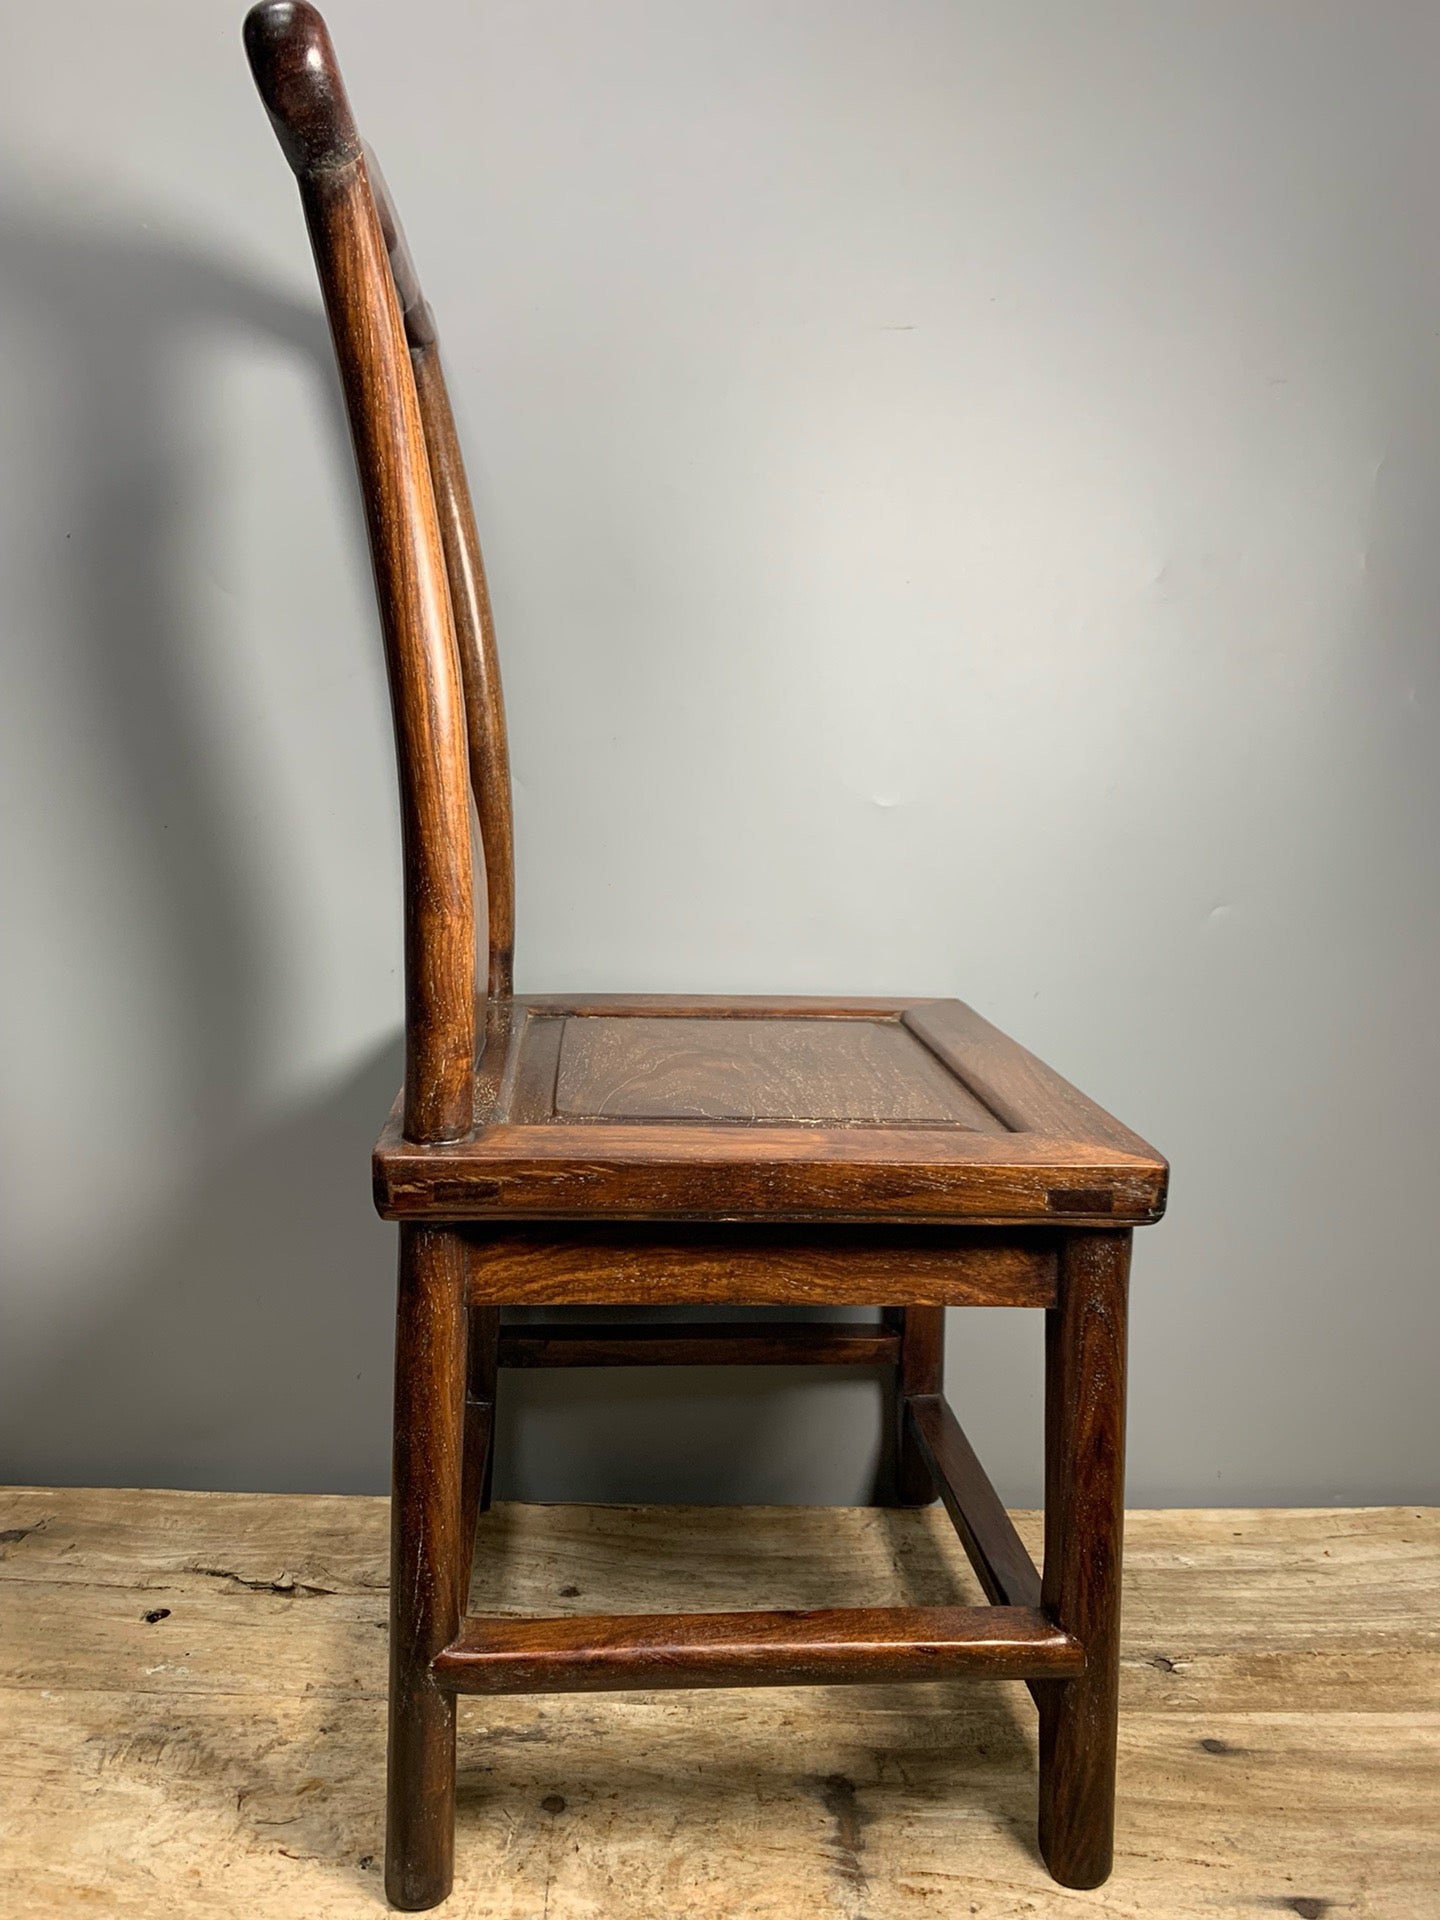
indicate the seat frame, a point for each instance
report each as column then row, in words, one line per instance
column 501, row 1206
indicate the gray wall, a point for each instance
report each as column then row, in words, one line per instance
column 960, row 487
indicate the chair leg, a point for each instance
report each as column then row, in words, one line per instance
column 1084, row 1519
column 481, row 1374
column 426, row 1573
column 485, row 1339
column 921, row 1370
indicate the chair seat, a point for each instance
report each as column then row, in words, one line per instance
column 638, row 1107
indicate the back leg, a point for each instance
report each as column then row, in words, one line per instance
column 920, row 1369
column 481, row 1374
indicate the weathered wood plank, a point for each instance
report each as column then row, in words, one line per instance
column 124, row 1536
column 1241, row 1609
column 772, row 1804
column 1280, row 1747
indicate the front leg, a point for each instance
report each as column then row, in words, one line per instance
column 1084, row 1521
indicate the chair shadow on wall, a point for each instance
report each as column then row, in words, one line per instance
column 269, row 1282
column 248, row 1343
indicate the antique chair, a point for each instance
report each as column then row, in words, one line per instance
column 652, row 1150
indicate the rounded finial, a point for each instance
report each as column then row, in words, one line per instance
column 298, row 77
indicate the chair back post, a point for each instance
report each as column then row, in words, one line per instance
column 299, row 81
column 487, row 740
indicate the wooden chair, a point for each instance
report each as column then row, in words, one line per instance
column 649, row 1150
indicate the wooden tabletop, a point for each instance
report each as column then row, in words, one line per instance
column 192, row 1721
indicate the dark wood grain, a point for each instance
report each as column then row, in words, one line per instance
column 488, row 743
column 722, row 1006
column 863, row 1646
column 420, row 648
column 778, row 1267
column 487, row 740
column 1020, row 1090
column 503, row 1021
column 481, row 1367
column 479, row 1452
column 700, row 1171
column 298, row 78
column 427, row 1573
column 526, row 1158
column 414, row 307
column 527, row 1094
column 294, row 67
column 921, row 1371
column 800, row 1071
column 1084, row 1526
column 771, row 1343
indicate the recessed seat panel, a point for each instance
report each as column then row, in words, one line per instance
column 789, row 1072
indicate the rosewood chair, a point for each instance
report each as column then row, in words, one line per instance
column 651, row 1150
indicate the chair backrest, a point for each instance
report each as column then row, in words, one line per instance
column 429, row 576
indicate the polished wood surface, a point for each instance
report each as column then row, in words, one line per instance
column 482, row 1368
column 772, row 1343
column 922, row 1062
column 1085, row 1349
column 488, row 744
column 487, row 741
column 921, row 1373
column 428, row 1561
column 295, row 70
column 780, row 1266
column 835, row 1110
column 1022, row 1092
column 699, row 1172
column 799, row 1072
column 821, row 1647
column 654, row 1150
